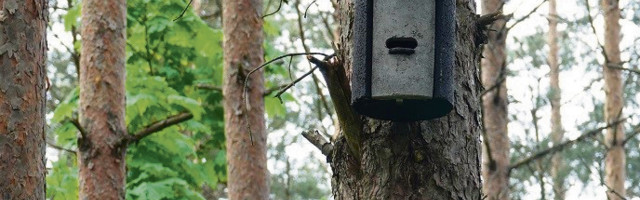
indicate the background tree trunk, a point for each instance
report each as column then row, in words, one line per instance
column 557, row 132
column 615, row 159
column 22, row 99
column 246, row 149
column 436, row 159
column 495, row 154
column 102, row 100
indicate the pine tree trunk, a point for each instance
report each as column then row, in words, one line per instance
column 436, row 159
column 102, row 100
column 246, row 149
column 23, row 47
column 557, row 133
column 494, row 104
column 615, row 159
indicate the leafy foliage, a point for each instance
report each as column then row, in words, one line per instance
column 165, row 61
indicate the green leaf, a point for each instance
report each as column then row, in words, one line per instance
column 66, row 107
column 274, row 108
column 190, row 104
column 72, row 17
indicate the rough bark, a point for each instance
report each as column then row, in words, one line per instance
column 495, row 171
column 102, row 100
column 23, row 47
column 436, row 159
column 557, row 132
column 244, row 118
column 614, row 140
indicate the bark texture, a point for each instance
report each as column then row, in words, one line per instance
column 557, row 132
column 495, row 171
column 246, row 149
column 23, row 47
column 436, row 159
column 615, row 160
column 102, row 100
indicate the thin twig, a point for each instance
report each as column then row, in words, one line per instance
column 246, row 80
column 634, row 133
column 183, row 11
column 268, row 92
column 313, row 60
column 316, row 80
column 307, row 9
column 274, row 12
column 593, row 28
column 636, row 71
column 160, row 125
column 203, row 86
column 55, row 146
column 283, row 90
column 146, row 44
column 502, row 76
column 526, row 16
column 563, row 145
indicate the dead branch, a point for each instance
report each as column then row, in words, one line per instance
column 562, row 146
column 338, row 84
column 158, row 126
column 319, row 142
column 488, row 19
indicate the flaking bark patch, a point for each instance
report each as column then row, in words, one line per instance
column 22, row 99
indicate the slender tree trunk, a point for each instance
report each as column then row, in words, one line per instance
column 495, row 169
column 23, row 47
column 615, row 159
column 557, row 132
column 102, row 100
column 436, row 159
column 244, row 118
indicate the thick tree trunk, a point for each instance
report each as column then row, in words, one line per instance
column 495, row 171
column 615, row 159
column 246, row 149
column 436, row 159
column 557, row 133
column 102, row 100
column 23, row 47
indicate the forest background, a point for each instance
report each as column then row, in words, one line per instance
column 175, row 65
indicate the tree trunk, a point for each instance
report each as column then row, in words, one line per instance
column 436, row 159
column 495, row 171
column 102, row 146
column 245, row 129
column 615, row 159
column 23, row 47
column 557, row 133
